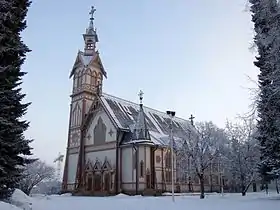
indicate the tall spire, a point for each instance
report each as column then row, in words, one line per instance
column 90, row 37
column 141, row 131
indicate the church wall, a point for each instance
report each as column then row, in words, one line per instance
column 72, row 169
column 127, row 172
column 101, row 130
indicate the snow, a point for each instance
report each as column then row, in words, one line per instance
column 21, row 200
column 7, row 206
column 256, row 201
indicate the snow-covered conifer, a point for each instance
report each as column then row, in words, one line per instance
column 13, row 145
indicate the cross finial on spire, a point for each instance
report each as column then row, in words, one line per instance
column 92, row 11
column 191, row 118
column 141, row 93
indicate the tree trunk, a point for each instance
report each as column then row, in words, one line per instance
column 243, row 192
column 245, row 188
column 277, row 188
column 202, row 193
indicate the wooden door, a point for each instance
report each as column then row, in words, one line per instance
column 107, row 182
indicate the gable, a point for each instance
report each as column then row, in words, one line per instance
column 82, row 61
column 99, row 128
column 97, row 166
column 106, row 165
column 97, row 60
column 89, row 166
column 77, row 64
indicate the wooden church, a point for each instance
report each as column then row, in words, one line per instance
column 114, row 145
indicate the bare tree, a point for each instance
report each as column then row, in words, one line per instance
column 243, row 156
column 35, row 173
column 202, row 148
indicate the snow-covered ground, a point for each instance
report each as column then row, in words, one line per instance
column 256, row 201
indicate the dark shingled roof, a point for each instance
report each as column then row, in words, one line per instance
column 125, row 115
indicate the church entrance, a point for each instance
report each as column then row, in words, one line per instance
column 107, row 182
column 89, row 183
column 97, row 182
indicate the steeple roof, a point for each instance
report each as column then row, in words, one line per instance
column 90, row 37
column 140, row 131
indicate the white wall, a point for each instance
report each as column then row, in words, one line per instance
column 72, row 168
column 100, row 155
column 109, row 125
column 127, row 164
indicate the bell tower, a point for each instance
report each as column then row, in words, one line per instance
column 87, row 75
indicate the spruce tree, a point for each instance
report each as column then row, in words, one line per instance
column 14, row 147
column 265, row 16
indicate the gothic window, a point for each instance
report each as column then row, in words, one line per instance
column 142, row 168
column 168, row 160
column 93, row 78
column 78, row 80
column 134, row 159
column 100, row 132
column 76, row 117
column 99, row 79
column 158, row 159
column 168, row 176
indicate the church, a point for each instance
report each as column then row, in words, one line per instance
column 115, row 145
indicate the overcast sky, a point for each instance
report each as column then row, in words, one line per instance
column 190, row 56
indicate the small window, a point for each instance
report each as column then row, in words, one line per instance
column 158, row 159
column 134, row 160
column 142, row 168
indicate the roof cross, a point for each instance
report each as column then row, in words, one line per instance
column 191, row 118
column 92, row 12
column 141, row 93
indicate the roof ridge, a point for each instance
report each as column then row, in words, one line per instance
column 131, row 102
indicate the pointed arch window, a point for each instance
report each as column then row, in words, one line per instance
column 79, row 79
column 168, row 160
column 142, row 168
column 134, row 159
column 93, row 78
column 98, row 80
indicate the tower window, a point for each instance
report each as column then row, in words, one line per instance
column 90, row 44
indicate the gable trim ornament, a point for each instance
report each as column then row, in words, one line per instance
column 88, row 167
column 97, row 166
column 106, row 165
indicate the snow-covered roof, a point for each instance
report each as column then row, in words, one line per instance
column 125, row 114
